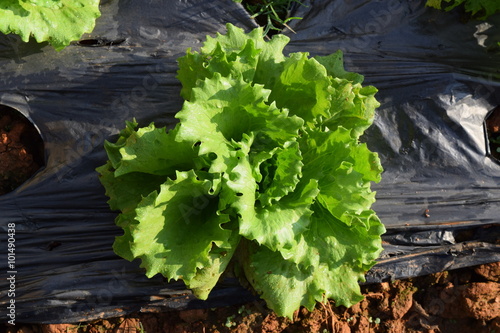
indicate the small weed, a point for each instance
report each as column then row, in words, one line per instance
column 76, row 329
column 244, row 311
column 230, row 321
column 140, row 329
column 495, row 140
column 374, row 321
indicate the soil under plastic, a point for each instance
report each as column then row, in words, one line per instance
column 462, row 300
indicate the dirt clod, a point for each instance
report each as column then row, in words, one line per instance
column 190, row 316
column 402, row 301
column 59, row 328
column 490, row 272
column 482, row 300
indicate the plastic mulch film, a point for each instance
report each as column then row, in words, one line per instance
column 439, row 197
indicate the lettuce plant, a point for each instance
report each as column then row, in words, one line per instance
column 56, row 21
column 264, row 169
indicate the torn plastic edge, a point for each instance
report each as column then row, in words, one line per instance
column 99, row 42
column 441, row 225
column 432, row 261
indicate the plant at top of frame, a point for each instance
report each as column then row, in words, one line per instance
column 264, row 170
column 58, row 22
column 480, row 9
column 271, row 14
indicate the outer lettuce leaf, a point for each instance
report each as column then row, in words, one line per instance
column 278, row 225
column 352, row 105
column 334, row 65
column 194, row 67
column 239, row 185
column 57, row 21
column 113, row 150
column 191, row 69
column 176, row 240
column 328, row 262
column 236, row 54
column 344, row 170
column 207, row 277
column 122, row 245
column 271, row 52
column 125, row 193
column 151, row 150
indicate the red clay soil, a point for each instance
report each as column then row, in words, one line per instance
column 463, row 300
column 21, row 149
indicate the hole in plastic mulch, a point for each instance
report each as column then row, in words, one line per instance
column 21, row 149
column 492, row 125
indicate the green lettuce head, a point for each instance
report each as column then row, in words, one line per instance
column 264, row 169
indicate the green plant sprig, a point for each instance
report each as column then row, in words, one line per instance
column 272, row 14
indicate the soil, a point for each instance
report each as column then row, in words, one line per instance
column 493, row 131
column 463, row 300
column 21, row 149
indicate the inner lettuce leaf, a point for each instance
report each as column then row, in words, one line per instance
column 280, row 173
column 58, row 22
column 263, row 170
column 228, row 108
column 303, row 87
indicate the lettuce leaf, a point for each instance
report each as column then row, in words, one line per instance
column 176, row 240
column 264, row 169
column 58, row 22
column 329, row 260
